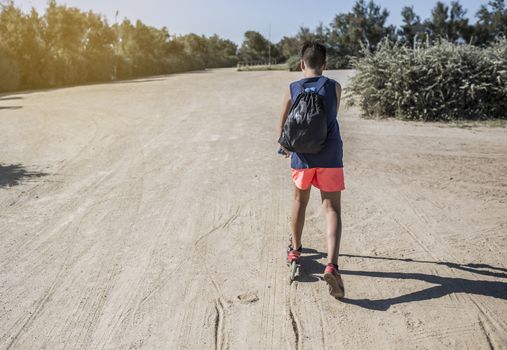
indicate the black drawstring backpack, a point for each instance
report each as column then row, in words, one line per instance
column 305, row 130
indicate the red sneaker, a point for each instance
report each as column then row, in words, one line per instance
column 293, row 255
column 334, row 281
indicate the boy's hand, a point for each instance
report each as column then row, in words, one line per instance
column 284, row 151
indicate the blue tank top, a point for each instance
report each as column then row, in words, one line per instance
column 331, row 156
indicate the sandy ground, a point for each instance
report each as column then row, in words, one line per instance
column 153, row 214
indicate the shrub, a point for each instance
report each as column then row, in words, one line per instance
column 293, row 63
column 338, row 62
column 440, row 82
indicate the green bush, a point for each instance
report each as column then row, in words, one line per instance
column 338, row 62
column 439, row 82
column 293, row 63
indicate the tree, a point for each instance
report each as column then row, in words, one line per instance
column 254, row 47
column 320, row 34
column 98, row 42
column 222, row 52
column 459, row 29
column 449, row 23
column 22, row 46
column 288, row 47
column 438, row 21
column 365, row 25
column 11, row 19
column 412, row 26
column 491, row 22
column 63, row 35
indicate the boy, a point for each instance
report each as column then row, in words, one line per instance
column 324, row 170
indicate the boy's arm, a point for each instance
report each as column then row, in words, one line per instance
column 338, row 95
column 285, row 111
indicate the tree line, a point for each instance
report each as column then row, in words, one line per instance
column 66, row 46
column 366, row 26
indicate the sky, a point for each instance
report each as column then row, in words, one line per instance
column 231, row 18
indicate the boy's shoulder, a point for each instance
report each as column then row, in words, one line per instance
column 334, row 83
column 296, row 81
column 329, row 80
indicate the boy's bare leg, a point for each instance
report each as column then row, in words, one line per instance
column 331, row 204
column 301, row 198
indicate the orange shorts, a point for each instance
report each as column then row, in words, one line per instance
column 325, row 179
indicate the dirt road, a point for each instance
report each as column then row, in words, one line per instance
column 153, row 214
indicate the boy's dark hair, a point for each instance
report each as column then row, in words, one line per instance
column 314, row 54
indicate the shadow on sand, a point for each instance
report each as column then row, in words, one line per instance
column 12, row 95
column 135, row 81
column 442, row 286
column 15, row 174
column 8, row 98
